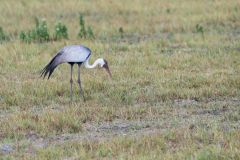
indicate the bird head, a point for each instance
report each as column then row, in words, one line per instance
column 104, row 64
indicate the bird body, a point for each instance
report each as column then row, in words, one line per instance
column 73, row 54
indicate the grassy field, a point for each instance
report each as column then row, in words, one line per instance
column 175, row 91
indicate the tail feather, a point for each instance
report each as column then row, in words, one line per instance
column 50, row 67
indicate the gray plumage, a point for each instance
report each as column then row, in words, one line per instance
column 69, row 54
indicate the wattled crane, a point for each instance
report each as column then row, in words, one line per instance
column 73, row 54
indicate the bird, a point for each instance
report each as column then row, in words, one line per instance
column 74, row 54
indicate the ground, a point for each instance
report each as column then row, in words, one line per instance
column 174, row 94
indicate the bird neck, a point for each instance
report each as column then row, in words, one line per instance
column 87, row 65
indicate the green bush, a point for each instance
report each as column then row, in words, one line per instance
column 83, row 33
column 60, row 31
column 23, row 36
column 120, row 30
column 38, row 34
column 3, row 36
column 199, row 29
column 90, row 32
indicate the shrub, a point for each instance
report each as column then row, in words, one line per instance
column 39, row 33
column 60, row 31
column 3, row 36
column 83, row 33
column 199, row 29
column 90, row 32
column 120, row 30
column 23, row 36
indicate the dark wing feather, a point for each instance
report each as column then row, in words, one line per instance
column 49, row 68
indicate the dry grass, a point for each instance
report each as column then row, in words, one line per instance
column 163, row 70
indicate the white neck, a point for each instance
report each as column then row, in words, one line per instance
column 87, row 65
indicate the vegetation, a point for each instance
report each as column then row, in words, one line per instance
column 121, row 31
column 61, row 31
column 3, row 35
column 173, row 95
column 199, row 29
column 38, row 34
column 83, row 33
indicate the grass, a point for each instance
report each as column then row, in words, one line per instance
column 170, row 145
column 182, row 80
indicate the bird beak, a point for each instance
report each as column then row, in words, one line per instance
column 107, row 69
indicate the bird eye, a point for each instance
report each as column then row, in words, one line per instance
column 105, row 62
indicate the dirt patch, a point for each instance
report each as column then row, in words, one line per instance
column 93, row 132
column 227, row 101
column 180, row 116
column 213, row 112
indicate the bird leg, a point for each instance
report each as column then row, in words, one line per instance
column 79, row 83
column 71, row 81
